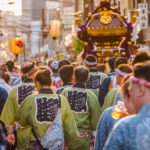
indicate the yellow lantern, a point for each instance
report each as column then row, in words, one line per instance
column 16, row 45
column 55, row 29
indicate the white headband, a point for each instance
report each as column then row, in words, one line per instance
column 90, row 63
column 121, row 73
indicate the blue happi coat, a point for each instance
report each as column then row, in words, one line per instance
column 104, row 128
column 131, row 133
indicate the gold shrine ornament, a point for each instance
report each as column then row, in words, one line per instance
column 106, row 17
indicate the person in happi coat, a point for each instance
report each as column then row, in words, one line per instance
column 114, row 95
column 110, row 82
column 66, row 75
column 84, row 103
column 16, row 97
column 95, row 77
column 45, row 111
column 132, row 133
column 107, row 120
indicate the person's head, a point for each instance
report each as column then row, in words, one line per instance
column 140, row 85
column 120, row 61
column 42, row 79
column 64, row 62
column 66, row 73
column 111, row 63
column 49, row 62
column 28, row 70
column 7, row 78
column 90, row 61
column 38, row 63
column 81, row 74
column 141, row 57
column 126, row 95
column 101, row 68
column 121, row 72
column 54, row 66
column 10, row 65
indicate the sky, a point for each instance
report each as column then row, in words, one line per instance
column 16, row 7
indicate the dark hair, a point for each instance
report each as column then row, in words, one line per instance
column 125, row 68
column 81, row 74
column 91, row 59
column 63, row 62
column 7, row 77
column 10, row 65
column 27, row 67
column 141, row 57
column 142, row 70
column 111, row 63
column 120, row 61
column 125, row 88
column 66, row 73
column 43, row 77
column 101, row 67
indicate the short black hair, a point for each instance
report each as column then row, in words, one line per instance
column 141, row 57
column 43, row 77
column 142, row 70
column 81, row 74
column 64, row 62
column 111, row 63
column 66, row 73
column 125, row 68
column 10, row 65
column 27, row 67
column 119, row 61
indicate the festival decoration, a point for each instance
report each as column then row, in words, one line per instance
column 55, row 29
column 16, row 45
column 107, row 32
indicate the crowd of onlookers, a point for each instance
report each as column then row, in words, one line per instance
column 67, row 105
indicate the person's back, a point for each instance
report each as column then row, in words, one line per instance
column 136, row 132
column 49, row 116
column 95, row 77
column 14, row 100
column 84, row 104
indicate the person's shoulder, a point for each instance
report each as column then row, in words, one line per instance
column 65, row 90
column 108, row 110
column 126, row 123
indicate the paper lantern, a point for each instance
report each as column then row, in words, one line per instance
column 55, row 29
column 16, row 45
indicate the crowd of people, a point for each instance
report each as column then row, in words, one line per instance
column 64, row 105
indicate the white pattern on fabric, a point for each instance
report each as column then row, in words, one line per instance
column 143, row 134
column 23, row 92
column 94, row 82
column 78, row 101
column 46, row 109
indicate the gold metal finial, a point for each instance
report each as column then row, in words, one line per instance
column 134, row 15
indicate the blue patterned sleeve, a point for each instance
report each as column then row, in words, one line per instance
column 117, row 98
column 102, row 132
column 116, row 138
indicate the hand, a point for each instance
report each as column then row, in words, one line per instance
column 11, row 139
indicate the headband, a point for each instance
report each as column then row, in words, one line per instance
column 54, row 65
column 90, row 63
column 121, row 73
column 141, row 81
